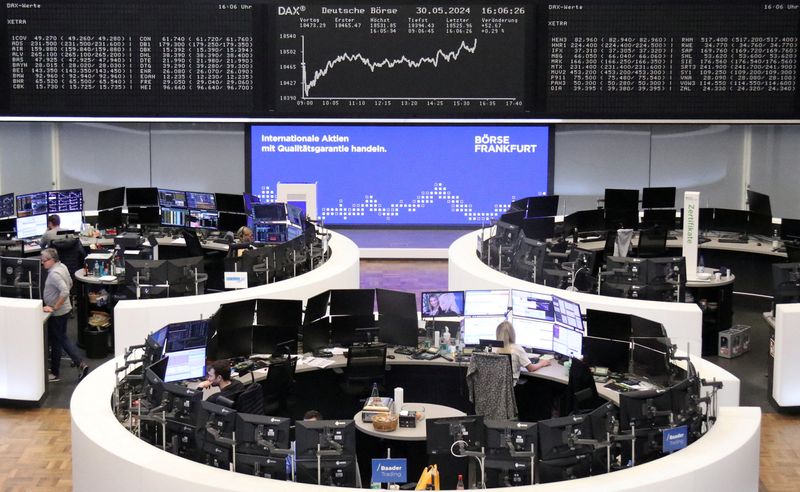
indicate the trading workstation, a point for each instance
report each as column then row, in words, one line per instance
column 261, row 337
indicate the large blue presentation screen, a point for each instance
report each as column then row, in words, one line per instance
column 403, row 174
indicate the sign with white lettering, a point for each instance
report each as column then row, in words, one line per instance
column 389, row 470
column 675, row 439
column 691, row 231
column 235, row 280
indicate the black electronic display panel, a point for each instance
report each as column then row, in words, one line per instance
column 402, row 58
column 7, row 205
column 144, row 58
column 672, row 59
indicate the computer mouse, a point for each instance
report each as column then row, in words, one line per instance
column 390, row 356
column 758, row 244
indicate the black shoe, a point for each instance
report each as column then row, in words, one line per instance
column 82, row 372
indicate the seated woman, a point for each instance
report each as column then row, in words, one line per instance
column 519, row 359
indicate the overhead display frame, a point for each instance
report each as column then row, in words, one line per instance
column 536, row 59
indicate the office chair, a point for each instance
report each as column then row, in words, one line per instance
column 251, row 400
column 72, row 254
column 277, row 386
column 365, row 365
column 581, row 392
column 652, row 243
column 193, row 246
column 792, row 251
column 490, row 385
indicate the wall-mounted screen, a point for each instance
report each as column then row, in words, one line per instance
column 404, row 174
column 171, row 198
column 201, row 201
column 61, row 201
column 32, row 204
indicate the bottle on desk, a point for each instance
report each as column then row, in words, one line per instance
column 460, row 483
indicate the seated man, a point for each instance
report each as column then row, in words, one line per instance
column 219, row 375
column 53, row 226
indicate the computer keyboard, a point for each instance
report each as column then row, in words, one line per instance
column 672, row 238
column 732, row 240
column 620, row 388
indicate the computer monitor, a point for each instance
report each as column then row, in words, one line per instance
column 30, row 226
column 790, row 229
column 607, row 324
column 566, row 341
column 230, row 221
column 621, row 219
column 113, row 198
column 505, row 234
column 602, row 352
column 481, row 327
column 71, row 221
column 705, row 219
column 650, row 359
column 620, row 199
column 141, row 197
column 262, row 435
column 532, row 305
column 486, row 302
column 279, row 312
column 658, row 197
column 327, row 435
column 201, row 201
column 349, row 329
column 442, row 304
column 229, row 202
column 585, row 221
column 171, row 198
column 558, row 436
column 32, row 204
column 110, row 219
column 515, row 218
column 568, row 313
column 397, row 330
column 541, row 228
column 534, row 334
column 661, row 218
column 8, row 227
column 185, row 335
column 233, row 322
column 182, row 403
column 262, row 466
column 758, row 203
column 396, row 303
column 785, row 282
column 153, row 386
column 62, row 201
column 173, row 217
column 249, row 201
column 442, row 433
column 759, row 224
column 7, row 205
column 648, row 408
column 219, row 419
column 728, row 220
column 627, row 269
column 270, row 212
column 158, row 340
column 186, row 364
column 20, row 277
column 275, row 340
column 352, row 301
column 144, row 215
column 645, row 328
column 316, row 335
column 504, row 435
column 149, row 272
column 316, row 307
column 203, row 219
column 543, row 206
column 333, row 472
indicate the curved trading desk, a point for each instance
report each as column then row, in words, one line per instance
column 106, row 456
column 134, row 319
column 683, row 321
column 23, row 352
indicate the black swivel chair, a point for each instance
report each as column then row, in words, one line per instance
column 366, row 365
column 652, row 243
column 72, row 254
column 251, row 400
column 278, row 385
column 792, row 251
column 193, row 246
column 581, row 392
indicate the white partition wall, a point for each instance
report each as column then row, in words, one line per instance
column 105, row 456
column 22, row 351
column 135, row 319
column 683, row 321
column 786, row 363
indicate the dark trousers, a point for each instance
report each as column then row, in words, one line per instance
column 57, row 339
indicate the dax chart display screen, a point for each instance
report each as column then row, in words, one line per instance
column 403, row 174
column 700, row 59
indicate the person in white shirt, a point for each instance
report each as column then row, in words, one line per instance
column 519, row 359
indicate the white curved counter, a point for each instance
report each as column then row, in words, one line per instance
column 105, row 456
column 683, row 321
column 135, row 319
column 23, row 353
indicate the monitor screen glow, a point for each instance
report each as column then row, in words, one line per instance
column 32, row 204
column 485, row 302
column 566, row 341
column 532, row 305
column 476, row 329
column 171, row 198
column 568, row 313
column 534, row 334
column 31, row 226
column 201, row 201
column 186, row 364
column 71, row 221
